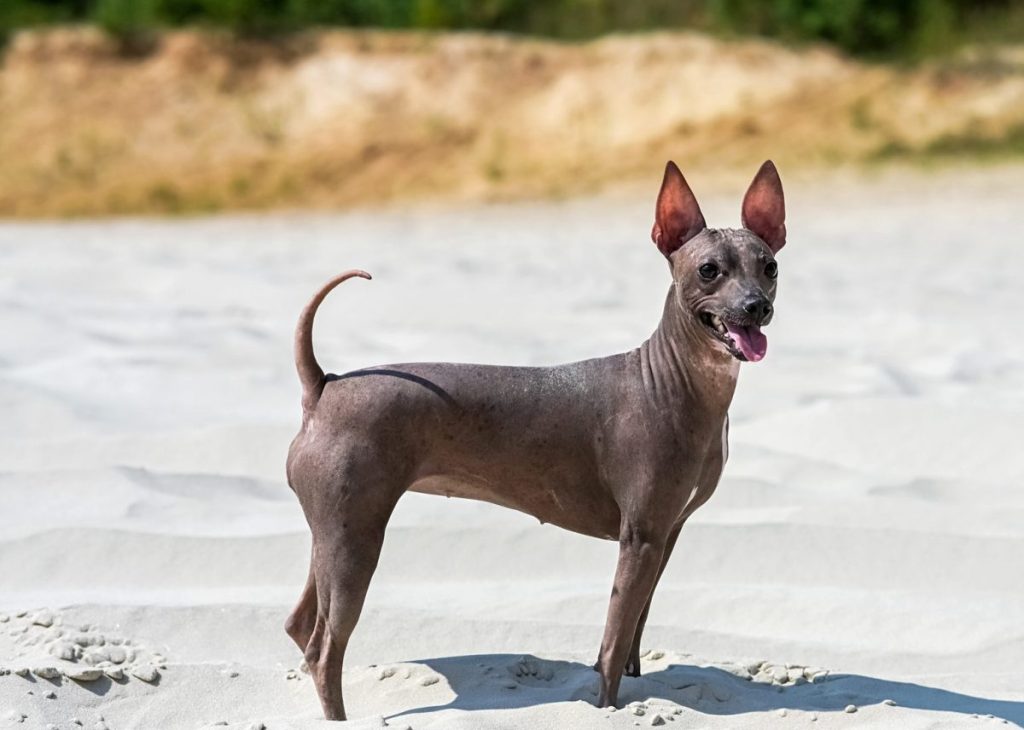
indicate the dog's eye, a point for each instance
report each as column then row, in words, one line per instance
column 708, row 271
column 771, row 270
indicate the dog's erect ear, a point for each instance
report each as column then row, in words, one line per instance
column 764, row 208
column 677, row 217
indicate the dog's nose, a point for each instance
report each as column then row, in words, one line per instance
column 759, row 307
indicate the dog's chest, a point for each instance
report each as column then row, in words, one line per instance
column 725, row 440
column 711, row 470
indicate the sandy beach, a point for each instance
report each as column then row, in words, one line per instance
column 861, row 564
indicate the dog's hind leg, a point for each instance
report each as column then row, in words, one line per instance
column 344, row 562
column 302, row 619
column 348, row 526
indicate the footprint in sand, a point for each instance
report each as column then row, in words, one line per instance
column 83, row 653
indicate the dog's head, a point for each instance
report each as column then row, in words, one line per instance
column 725, row 279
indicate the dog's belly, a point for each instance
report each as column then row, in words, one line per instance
column 572, row 507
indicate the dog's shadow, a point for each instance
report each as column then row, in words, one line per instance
column 505, row 681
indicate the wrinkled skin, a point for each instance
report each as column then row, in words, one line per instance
column 622, row 448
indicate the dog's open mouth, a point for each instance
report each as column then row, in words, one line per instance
column 744, row 341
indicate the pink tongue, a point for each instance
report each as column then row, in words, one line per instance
column 749, row 340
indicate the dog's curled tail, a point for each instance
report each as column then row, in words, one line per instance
column 310, row 373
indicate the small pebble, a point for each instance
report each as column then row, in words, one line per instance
column 43, row 618
column 781, row 712
column 638, row 710
column 51, row 695
column 95, row 655
column 386, row 673
column 850, row 709
column 891, row 703
column 429, row 680
column 85, row 674
column 115, row 673
column 84, row 639
column 65, row 650
column 21, row 614
column 145, row 672
column 46, row 672
column 656, row 655
column 117, row 654
column 257, row 726
column 657, row 720
column 4, row 618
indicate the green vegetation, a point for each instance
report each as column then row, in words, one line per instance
column 908, row 28
column 970, row 145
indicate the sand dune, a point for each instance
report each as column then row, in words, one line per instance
column 864, row 550
column 205, row 122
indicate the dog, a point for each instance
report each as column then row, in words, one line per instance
column 622, row 448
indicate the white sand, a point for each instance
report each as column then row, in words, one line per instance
column 870, row 521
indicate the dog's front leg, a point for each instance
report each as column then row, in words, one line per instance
column 633, row 658
column 640, row 555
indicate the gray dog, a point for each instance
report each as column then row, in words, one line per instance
column 621, row 448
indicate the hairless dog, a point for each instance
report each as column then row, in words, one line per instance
column 623, row 448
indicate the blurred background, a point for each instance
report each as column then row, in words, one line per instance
column 187, row 106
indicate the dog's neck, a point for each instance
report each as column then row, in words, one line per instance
column 684, row 365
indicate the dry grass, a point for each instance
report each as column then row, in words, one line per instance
column 205, row 123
